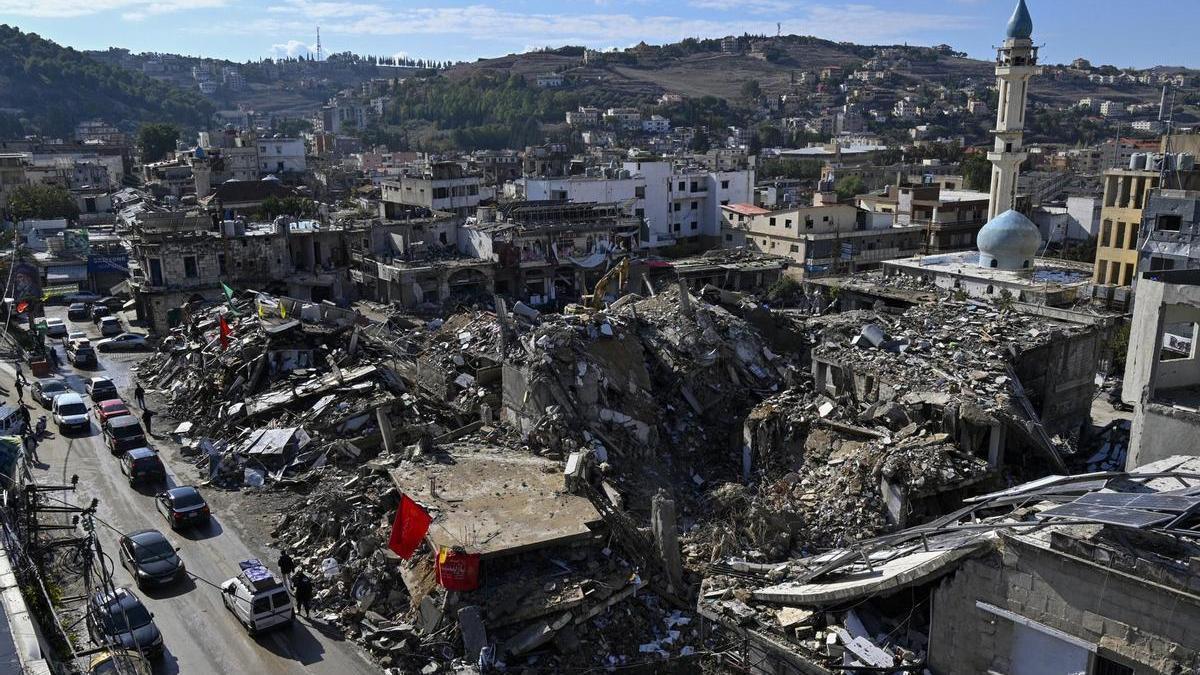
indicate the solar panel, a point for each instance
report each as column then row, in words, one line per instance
column 1107, row 515
column 1154, row 502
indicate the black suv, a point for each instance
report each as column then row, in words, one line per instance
column 120, row 619
column 122, row 434
column 142, row 465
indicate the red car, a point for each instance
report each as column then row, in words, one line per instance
column 107, row 410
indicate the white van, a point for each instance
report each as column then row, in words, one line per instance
column 257, row 598
column 70, row 412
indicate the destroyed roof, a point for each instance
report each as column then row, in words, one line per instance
column 495, row 501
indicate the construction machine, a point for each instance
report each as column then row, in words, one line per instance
column 618, row 273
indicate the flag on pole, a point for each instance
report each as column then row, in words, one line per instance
column 228, row 291
column 408, row 528
column 226, row 331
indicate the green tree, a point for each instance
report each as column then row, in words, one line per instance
column 849, row 186
column 977, row 172
column 751, row 91
column 42, row 202
column 155, row 140
column 701, row 143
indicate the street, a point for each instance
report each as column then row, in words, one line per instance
column 200, row 635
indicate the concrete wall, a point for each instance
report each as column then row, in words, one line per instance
column 1160, row 432
column 1126, row 619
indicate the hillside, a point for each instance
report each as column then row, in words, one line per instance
column 46, row 88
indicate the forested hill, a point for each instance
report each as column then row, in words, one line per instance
column 47, row 88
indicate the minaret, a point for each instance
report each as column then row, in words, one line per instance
column 1016, row 63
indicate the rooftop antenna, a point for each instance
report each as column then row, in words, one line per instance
column 778, row 28
column 320, row 54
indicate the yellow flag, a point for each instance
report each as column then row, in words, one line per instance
column 282, row 310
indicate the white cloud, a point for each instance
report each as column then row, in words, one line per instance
column 292, row 48
column 131, row 9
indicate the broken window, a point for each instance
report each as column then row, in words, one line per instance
column 1179, row 341
column 1168, row 223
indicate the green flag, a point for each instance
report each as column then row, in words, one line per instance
column 228, row 291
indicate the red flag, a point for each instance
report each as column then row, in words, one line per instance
column 226, row 331
column 22, row 306
column 409, row 528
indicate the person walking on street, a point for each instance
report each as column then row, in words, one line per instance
column 140, row 395
column 25, row 416
column 147, row 415
column 303, row 590
column 20, row 389
column 31, row 444
column 286, row 567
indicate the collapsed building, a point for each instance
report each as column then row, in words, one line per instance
column 1065, row 574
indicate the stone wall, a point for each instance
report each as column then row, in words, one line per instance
column 1149, row 627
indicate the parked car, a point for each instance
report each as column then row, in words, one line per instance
column 143, row 465
column 112, row 302
column 101, row 389
column 77, row 311
column 87, row 297
column 125, row 342
column 69, row 412
column 106, row 410
column 99, row 312
column 55, row 327
column 46, row 389
column 122, row 434
column 72, row 336
column 80, row 353
column 119, row 662
column 182, row 506
column 110, row 326
column 150, row 558
column 120, row 618
column 258, row 599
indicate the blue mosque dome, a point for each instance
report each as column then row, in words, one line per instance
column 1010, row 241
column 1020, row 26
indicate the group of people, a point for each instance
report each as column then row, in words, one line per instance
column 301, row 585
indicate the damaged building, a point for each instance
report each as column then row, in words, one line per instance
column 1065, row 574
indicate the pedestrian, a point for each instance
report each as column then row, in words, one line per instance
column 147, row 415
column 25, row 417
column 302, row 588
column 286, row 566
column 140, row 395
column 21, row 389
column 31, row 445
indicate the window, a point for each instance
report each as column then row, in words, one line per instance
column 772, row 222
column 1178, row 342
column 694, row 225
column 695, row 205
column 1105, row 231
column 994, row 263
column 281, row 600
column 724, row 202
column 190, row 270
column 640, row 213
column 808, row 222
column 787, row 223
column 1119, row 242
column 729, row 237
column 724, row 185
column 682, row 186
column 678, row 206
column 1168, row 223
column 1158, row 264
column 795, row 248
column 639, row 192
column 261, row 605
column 221, row 262
column 825, row 219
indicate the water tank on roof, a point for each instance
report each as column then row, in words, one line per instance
column 1137, row 161
column 624, row 173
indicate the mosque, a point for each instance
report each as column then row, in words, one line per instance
column 1009, row 243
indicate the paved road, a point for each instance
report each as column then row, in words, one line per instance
column 199, row 634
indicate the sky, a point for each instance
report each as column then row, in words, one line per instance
column 1103, row 31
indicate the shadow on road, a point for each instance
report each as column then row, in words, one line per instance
column 167, row 664
column 201, row 532
column 297, row 643
column 181, row 587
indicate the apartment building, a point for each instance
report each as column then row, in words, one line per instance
column 951, row 218
column 281, row 155
column 1125, row 193
column 678, row 203
column 820, row 239
column 12, row 175
column 443, row 186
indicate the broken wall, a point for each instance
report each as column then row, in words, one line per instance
column 1116, row 615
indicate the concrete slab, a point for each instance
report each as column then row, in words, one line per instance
column 496, row 502
column 908, row 570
